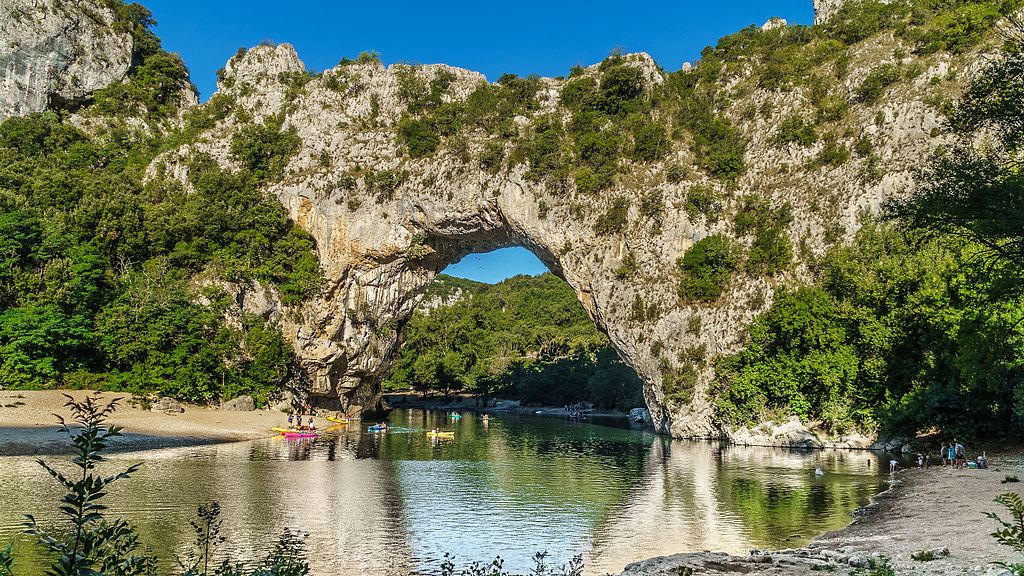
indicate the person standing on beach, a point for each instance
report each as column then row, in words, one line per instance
column 951, row 454
column 943, row 452
column 960, row 454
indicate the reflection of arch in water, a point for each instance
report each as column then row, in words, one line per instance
column 701, row 496
column 675, row 508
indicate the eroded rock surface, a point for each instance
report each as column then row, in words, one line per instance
column 57, row 52
column 380, row 248
column 386, row 221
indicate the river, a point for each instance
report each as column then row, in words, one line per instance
column 395, row 503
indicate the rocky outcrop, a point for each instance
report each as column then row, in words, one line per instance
column 240, row 404
column 387, row 222
column 381, row 245
column 795, row 434
column 823, row 9
column 56, row 52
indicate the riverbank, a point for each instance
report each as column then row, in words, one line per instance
column 28, row 424
column 939, row 509
column 471, row 403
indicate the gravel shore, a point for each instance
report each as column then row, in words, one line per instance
column 941, row 510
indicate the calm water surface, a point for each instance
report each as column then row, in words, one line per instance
column 395, row 503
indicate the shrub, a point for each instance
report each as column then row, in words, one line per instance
column 384, row 183
column 615, row 219
column 675, row 173
column 874, row 84
column 419, row 137
column 650, row 142
column 544, row 149
column 621, row 88
column 720, row 149
column 652, row 205
column 795, row 130
column 702, row 200
column 771, row 251
column 706, row 268
column 833, row 153
column 264, row 149
column 1011, row 532
column 491, row 157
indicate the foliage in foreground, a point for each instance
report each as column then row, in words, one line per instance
column 1011, row 532
column 90, row 543
column 496, row 567
column 526, row 338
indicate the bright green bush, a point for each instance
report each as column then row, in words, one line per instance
column 795, row 130
column 706, row 268
column 650, row 142
column 419, row 137
column 264, row 149
column 702, row 200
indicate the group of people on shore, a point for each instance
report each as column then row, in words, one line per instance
column 295, row 420
column 950, row 454
column 953, row 454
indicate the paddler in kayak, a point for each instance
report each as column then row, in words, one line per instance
column 311, row 427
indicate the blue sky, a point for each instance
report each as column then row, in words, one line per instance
column 526, row 37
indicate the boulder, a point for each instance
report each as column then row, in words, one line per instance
column 640, row 415
column 167, row 406
column 240, row 404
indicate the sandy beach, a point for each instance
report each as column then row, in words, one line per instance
column 28, row 424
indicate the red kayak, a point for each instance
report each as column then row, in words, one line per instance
column 300, row 434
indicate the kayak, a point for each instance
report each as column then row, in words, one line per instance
column 284, row 430
column 300, row 434
column 441, row 434
column 338, row 420
column 377, row 429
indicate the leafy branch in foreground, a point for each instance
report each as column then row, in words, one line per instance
column 96, row 546
column 93, row 544
column 495, row 567
column 7, row 561
column 1012, row 532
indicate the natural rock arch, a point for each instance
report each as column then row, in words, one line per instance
column 386, row 223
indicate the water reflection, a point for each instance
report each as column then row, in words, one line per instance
column 395, row 503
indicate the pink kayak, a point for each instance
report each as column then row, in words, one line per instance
column 300, row 434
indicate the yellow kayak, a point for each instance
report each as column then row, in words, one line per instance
column 284, row 430
column 338, row 420
column 441, row 434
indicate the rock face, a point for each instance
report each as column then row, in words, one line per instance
column 57, row 52
column 825, row 8
column 386, row 223
column 381, row 249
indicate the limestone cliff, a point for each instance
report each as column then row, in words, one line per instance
column 381, row 245
column 57, row 52
column 403, row 170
